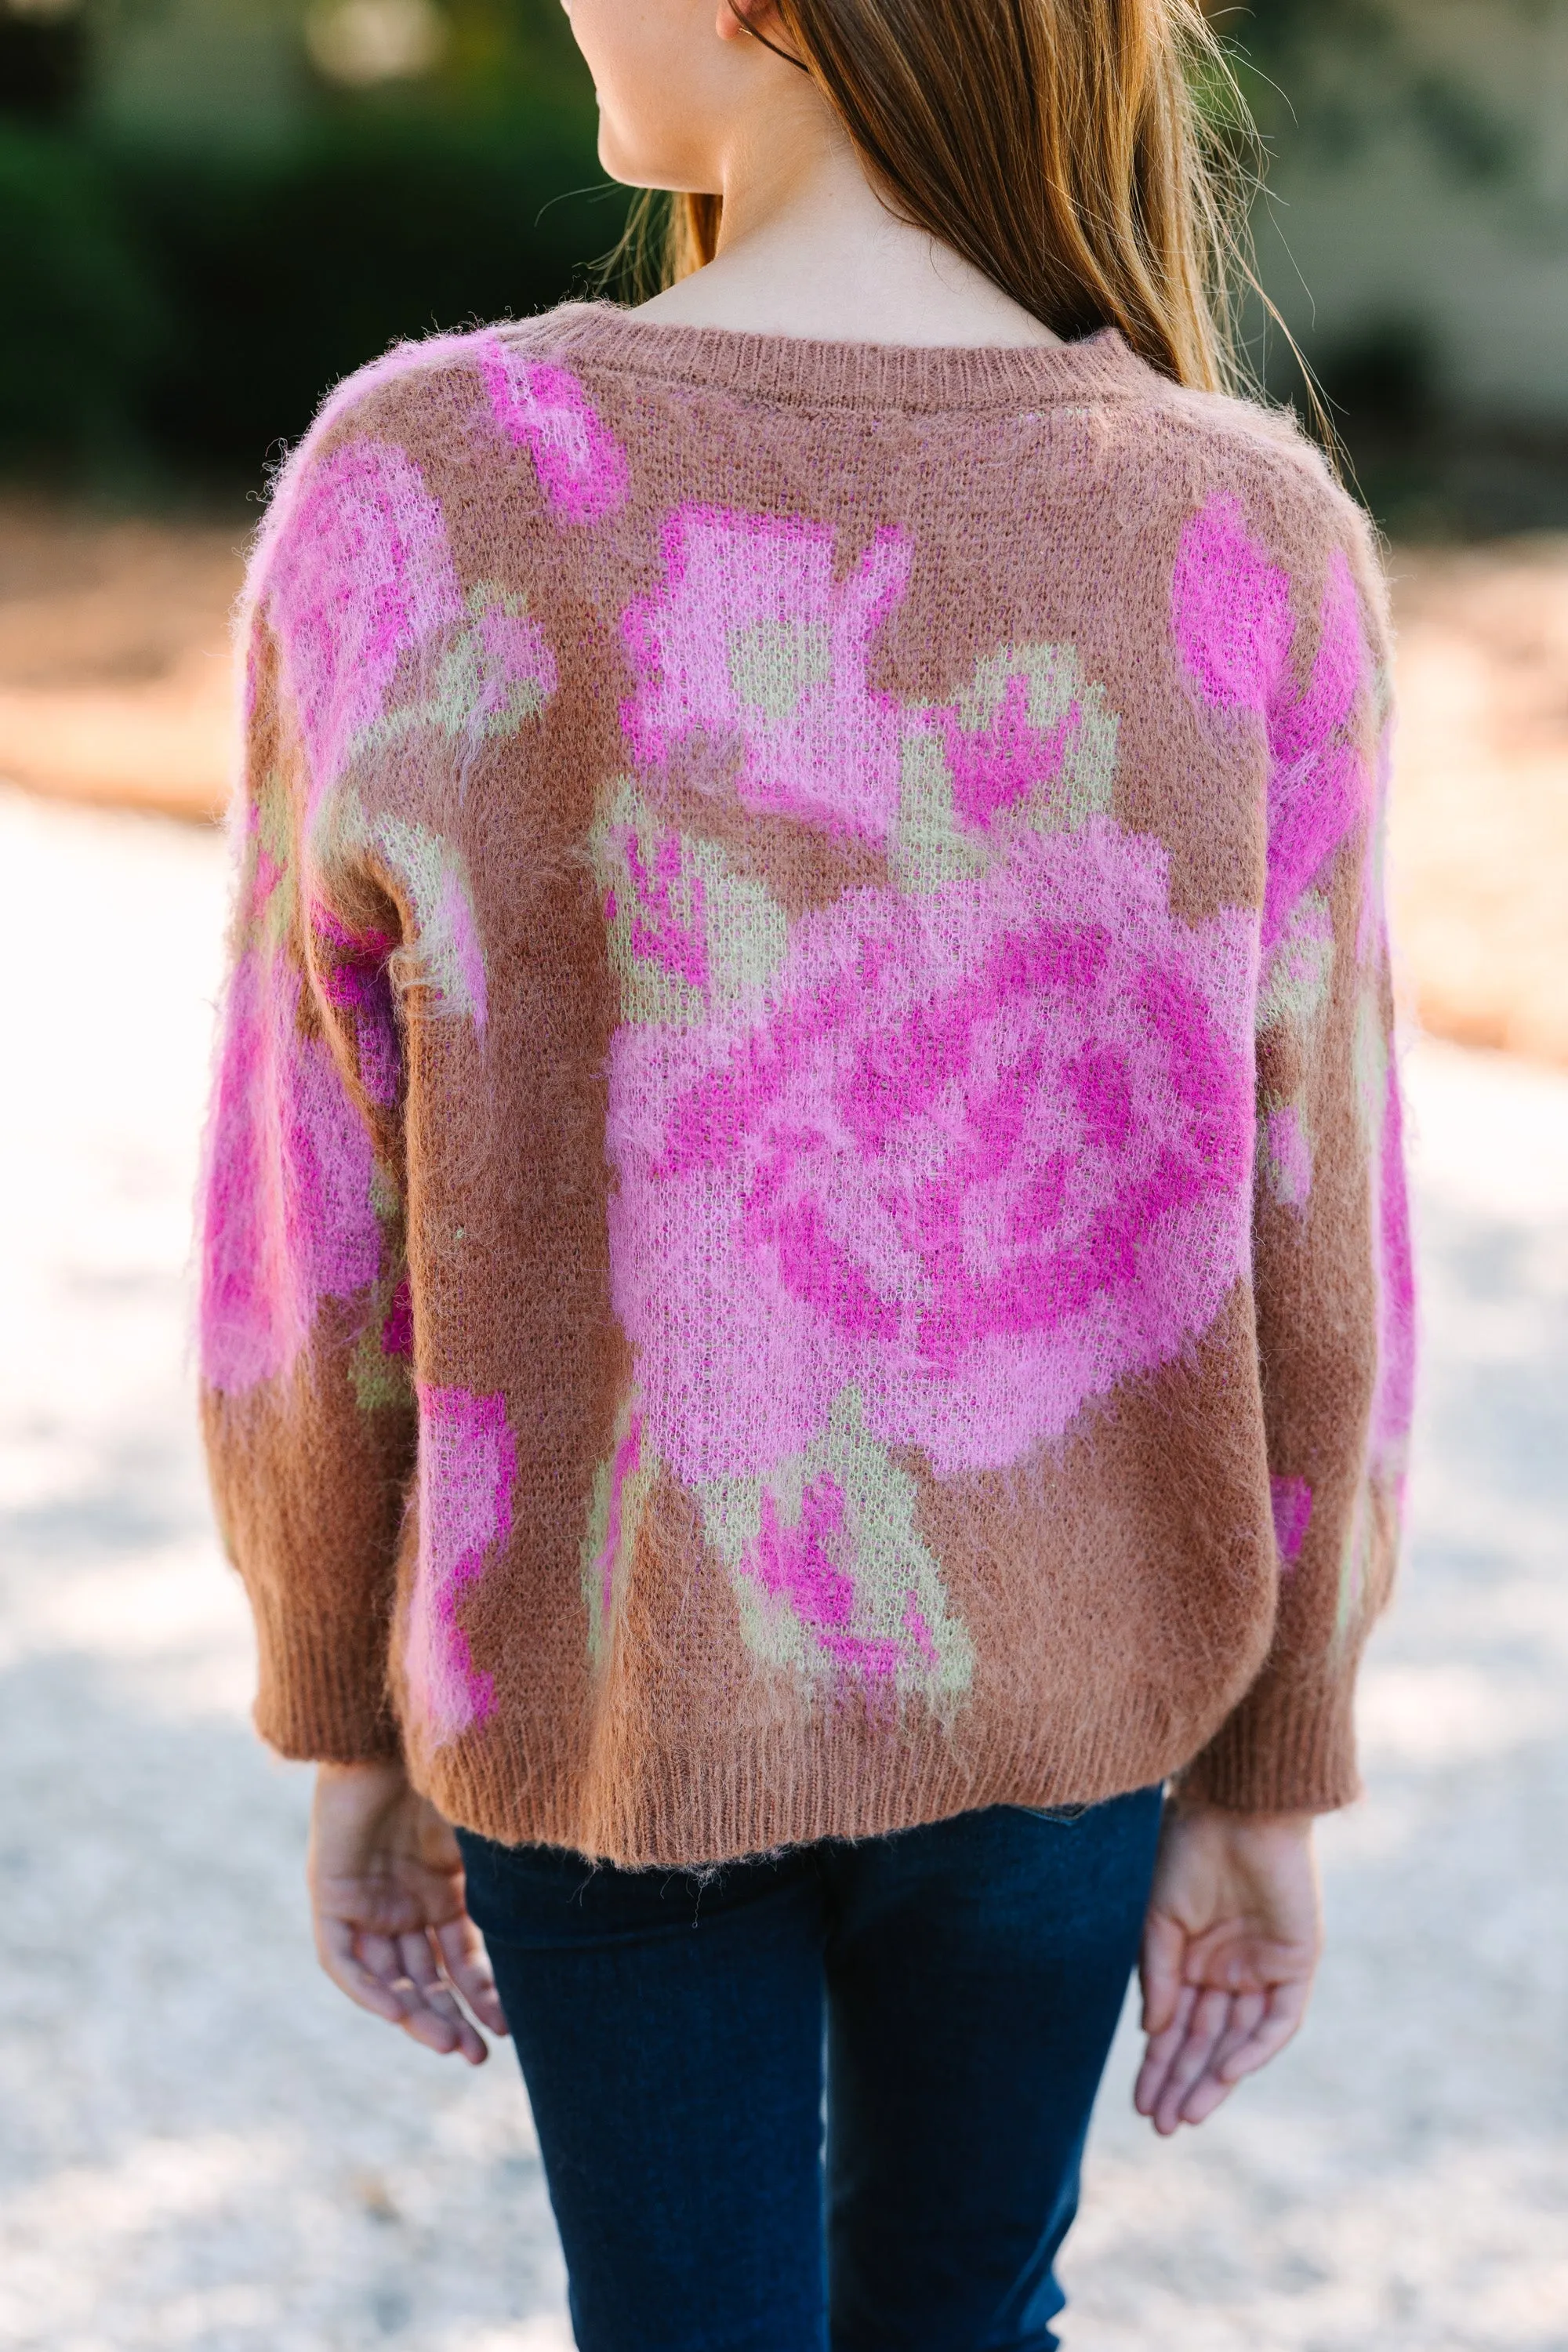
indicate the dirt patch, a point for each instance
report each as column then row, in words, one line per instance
column 115, row 686
column 1479, row 835
column 115, row 668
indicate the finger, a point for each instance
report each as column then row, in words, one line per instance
column 1250, row 2041
column 1161, row 2051
column 1160, row 1969
column 336, row 1943
column 428, row 2012
column 432, row 2014
column 1286, row 2006
column 1186, row 2069
column 428, row 2009
column 1210, row 2089
column 444, row 2030
column 1207, row 2093
column 417, row 1957
column 1246, row 2014
column 466, row 1963
column 382, row 1956
column 1282, row 2016
column 1209, row 2019
column 374, row 1973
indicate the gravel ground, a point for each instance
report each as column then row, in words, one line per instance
column 201, row 2147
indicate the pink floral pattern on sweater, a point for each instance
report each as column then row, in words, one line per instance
column 542, row 406
column 359, row 574
column 1291, row 1501
column 999, row 767
column 983, row 1153
column 1231, row 612
column 287, row 1218
column 1394, row 1399
column 353, row 967
column 754, row 657
column 467, row 1468
column 796, row 1564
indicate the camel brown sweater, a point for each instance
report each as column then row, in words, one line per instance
column 804, row 1227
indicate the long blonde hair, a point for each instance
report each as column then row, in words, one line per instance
column 1082, row 153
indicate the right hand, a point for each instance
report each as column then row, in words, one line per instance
column 393, row 1931
column 1230, row 1949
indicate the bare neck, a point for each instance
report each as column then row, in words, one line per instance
column 808, row 249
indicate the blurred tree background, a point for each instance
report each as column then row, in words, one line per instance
column 211, row 209
column 1415, row 238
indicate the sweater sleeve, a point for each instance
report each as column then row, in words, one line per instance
column 305, row 1395
column 1331, row 1256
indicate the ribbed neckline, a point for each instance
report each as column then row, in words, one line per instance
column 797, row 371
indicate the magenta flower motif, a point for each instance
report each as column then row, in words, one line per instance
column 354, row 968
column 517, row 670
column 582, row 467
column 1291, row 1501
column 1318, row 781
column 984, row 1154
column 468, row 1466
column 1395, row 1395
column 1231, row 615
column 753, row 652
column 1288, row 1155
column 1231, row 604
column 397, row 1328
column 794, row 1564
column 359, row 571
column 287, row 1214
column 659, row 930
column 999, row 766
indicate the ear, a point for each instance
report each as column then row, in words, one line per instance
column 738, row 18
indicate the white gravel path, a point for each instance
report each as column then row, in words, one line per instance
column 201, row 2147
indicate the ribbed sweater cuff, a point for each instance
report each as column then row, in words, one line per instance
column 321, row 1698
column 1288, row 1748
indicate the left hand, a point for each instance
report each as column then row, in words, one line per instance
column 1230, row 1947
column 387, row 1899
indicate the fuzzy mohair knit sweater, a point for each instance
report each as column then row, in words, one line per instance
column 803, row 1220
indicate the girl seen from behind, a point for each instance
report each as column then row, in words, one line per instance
column 806, row 1322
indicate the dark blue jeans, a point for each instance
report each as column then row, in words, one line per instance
column 963, row 1980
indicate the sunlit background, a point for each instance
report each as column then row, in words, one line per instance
column 209, row 210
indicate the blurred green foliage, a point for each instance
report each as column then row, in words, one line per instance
column 84, row 325
column 175, row 307
column 280, row 273
column 1329, row 75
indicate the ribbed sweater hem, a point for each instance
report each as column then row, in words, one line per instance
column 1282, row 1752
column 783, row 1786
column 321, row 1699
